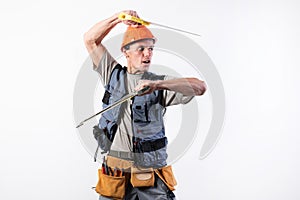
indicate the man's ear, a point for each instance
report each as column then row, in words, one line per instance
column 125, row 53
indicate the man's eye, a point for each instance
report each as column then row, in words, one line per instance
column 141, row 48
column 150, row 48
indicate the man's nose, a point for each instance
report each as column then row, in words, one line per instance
column 147, row 52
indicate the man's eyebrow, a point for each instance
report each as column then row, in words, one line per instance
column 145, row 46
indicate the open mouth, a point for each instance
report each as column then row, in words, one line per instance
column 146, row 61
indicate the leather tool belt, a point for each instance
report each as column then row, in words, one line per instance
column 116, row 173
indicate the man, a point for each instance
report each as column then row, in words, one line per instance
column 135, row 128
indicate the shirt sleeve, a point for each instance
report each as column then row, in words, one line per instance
column 105, row 66
column 173, row 98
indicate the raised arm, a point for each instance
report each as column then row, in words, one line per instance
column 186, row 86
column 94, row 36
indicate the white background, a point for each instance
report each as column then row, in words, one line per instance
column 254, row 45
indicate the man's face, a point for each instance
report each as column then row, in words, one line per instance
column 139, row 56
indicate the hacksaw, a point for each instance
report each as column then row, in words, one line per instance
column 124, row 16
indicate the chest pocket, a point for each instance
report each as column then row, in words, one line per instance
column 140, row 111
column 146, row 111
column 155, row 112
column 147, row 118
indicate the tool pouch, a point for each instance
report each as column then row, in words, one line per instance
column 167, row 176
column 111, row 186
column 142, row 177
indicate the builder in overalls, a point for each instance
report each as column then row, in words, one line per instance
column 135, row 166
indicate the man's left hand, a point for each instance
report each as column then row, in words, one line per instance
column 146, row 83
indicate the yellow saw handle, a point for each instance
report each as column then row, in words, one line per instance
column 124, row 16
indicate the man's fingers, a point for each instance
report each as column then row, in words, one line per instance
column 133, row 13
column 129, row 22
column 144, row 90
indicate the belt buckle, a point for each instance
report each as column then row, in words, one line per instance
column 119, row 154
column 127, row 155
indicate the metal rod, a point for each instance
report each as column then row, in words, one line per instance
column 122, row 100
column 176, row 29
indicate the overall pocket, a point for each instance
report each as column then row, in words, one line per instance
column 140, row 112
column 147, row 118
column 111, row 186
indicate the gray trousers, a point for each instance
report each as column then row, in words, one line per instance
column 158, row 192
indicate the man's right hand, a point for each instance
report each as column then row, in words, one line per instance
column 93, row 37
column 132, row 13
